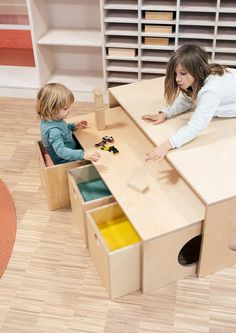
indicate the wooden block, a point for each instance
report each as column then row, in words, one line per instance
column 167, row 29
column 99, row 109
column 164, row 16
column 119, row 52
column 156, row 41
column 98, row 97
column 138, row 184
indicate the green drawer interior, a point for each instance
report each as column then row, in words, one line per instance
column 93, row 189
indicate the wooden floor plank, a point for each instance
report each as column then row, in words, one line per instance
column 50, row 284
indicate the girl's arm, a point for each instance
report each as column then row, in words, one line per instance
column 181, row 104
column 204, row 112
column 207, row 104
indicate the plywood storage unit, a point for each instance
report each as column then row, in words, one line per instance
column 119, row 265
column 167, row 212
column 171, row 257
column 54, row 180
column 211, row 154
column 211, row 24
column 79, row 203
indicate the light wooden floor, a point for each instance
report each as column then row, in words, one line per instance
column 51, row 286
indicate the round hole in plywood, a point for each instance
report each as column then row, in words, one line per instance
column 232, row 241
column 189, row 254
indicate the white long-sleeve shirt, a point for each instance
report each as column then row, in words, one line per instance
column 217, row 98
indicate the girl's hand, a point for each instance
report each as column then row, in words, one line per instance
column 81, row 124
column 92, row 156
column 159, row 152
column 156, row 118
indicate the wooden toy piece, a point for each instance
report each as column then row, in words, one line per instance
column 119, row 52
column 156, row 41
column 164, row 16
column 99, row 109
column 138, row 184
column 164, row 29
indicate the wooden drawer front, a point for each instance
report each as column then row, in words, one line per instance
column 78, row 204
column 163, row 258
column 119, row 269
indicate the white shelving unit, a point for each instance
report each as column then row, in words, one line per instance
column 211, row 24
column 69, row 43
column 14, row 79
column 85, row 44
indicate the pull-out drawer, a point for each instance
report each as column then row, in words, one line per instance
column 87, row 191
column 115, row 248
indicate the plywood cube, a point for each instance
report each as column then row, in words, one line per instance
column 165, row 259
column 80, row 202
column 54, row 180
column 119, row 268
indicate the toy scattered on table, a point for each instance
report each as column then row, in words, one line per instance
column 102, row 144
column 105, row 139
column 113, row 149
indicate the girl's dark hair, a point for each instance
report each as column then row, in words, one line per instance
column 195, row 60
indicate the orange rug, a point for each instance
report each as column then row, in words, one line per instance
column 7, row 226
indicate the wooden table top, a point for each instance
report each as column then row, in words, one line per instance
column 168, row 205
column 208, row 163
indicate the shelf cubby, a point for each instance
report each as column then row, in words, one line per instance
column 226, row 19
column 153, row 67
column 121, row 16
column 201, row 6
column 72, row 66
column 226, row 59
column 121, row 29
column 197, row 19
column 121, row 4
column 122, row 66
column 227, row 6
column 122, row 77
column 155, row 55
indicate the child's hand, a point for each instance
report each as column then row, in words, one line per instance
column 81, row 124
column 157, row 118
column 92, row 156
column 159, row 152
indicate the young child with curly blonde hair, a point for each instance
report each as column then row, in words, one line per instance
column 53, row 106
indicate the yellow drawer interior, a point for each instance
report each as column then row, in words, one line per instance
column 118, row 233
